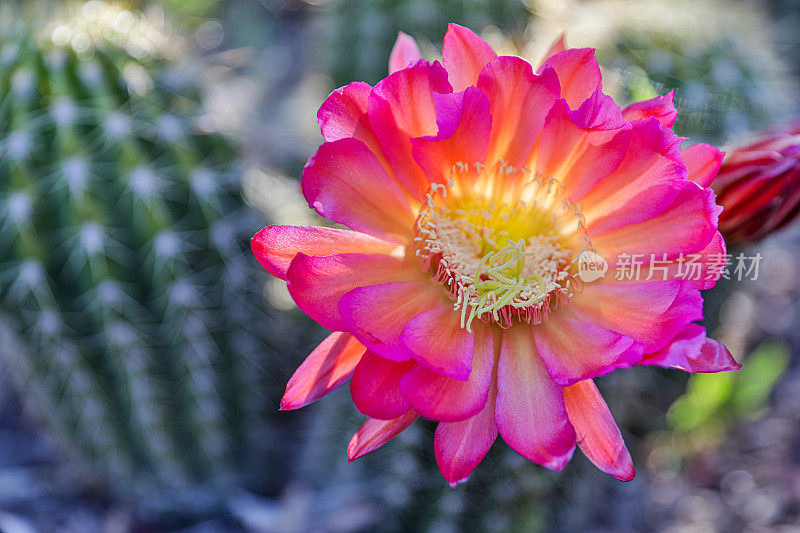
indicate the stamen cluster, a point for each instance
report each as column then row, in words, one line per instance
column 503, row 242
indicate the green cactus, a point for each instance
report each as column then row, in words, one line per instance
column 131, row 318
column 357, row 35
column 399, row 488
column 721, row 87
column 720, row 58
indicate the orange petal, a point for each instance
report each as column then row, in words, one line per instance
column 276, row 246
column 375, row 433
column 599, row 437
column 328, row 366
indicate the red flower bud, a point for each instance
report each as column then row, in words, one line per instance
column 759, row 186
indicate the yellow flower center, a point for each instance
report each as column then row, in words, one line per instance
column 502, row 241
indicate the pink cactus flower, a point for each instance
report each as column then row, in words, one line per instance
column 759, row 185
column 470, row 187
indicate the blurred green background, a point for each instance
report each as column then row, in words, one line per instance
column 143, row 351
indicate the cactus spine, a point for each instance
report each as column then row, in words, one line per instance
column 131, row 320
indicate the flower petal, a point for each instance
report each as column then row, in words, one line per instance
column 599, row 437
column 375, row 387
column 436, row 339
column 318, row 283
column 276, row 246
column 465, row 124
column 692, row 351
column 376, row 315
column 464, row 54
column 687, row 226
column 375, row 432
column 346, row 183
column 520, row 101
column 660, row 107
column 651, row 312
column 404, row 53
column 401, row 106
column 701, row 269
column 709, row 274
column 530, row 410
column 579, row 148
column 574, row 349
column 460, row 446
column 437, row 397
column 578, row 74
column 644, row 184
column 328, row 366
column 703, row 161
column 343, row 115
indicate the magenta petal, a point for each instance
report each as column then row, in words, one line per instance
column 692, row 351
column 376, row 315
column 599, row 113
column 709, row 275
column 460, row 446
column 520, row 101
column 465, row 124
column 649, row 312
column 692, row 221
column 375, row 387
column 346, row 183
column 437, row 340
column 276, row 246
column 437, row 397
column 599, row 437
column 375, row 432
column 401, row 106
column 579, row 148
column 660, row 107
column 318, row 283
column 328, row 366
column 530, row 410
column 464, row 54
column 703, row 162
column 644, row 184
column 578, row 74
column 404, row 53
column 700, row 269
column 343, row 115
column 574, row 349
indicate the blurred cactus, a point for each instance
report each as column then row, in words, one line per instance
column 130, row 320
column 398, row 487
column 357, row 35
column 721, row 58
